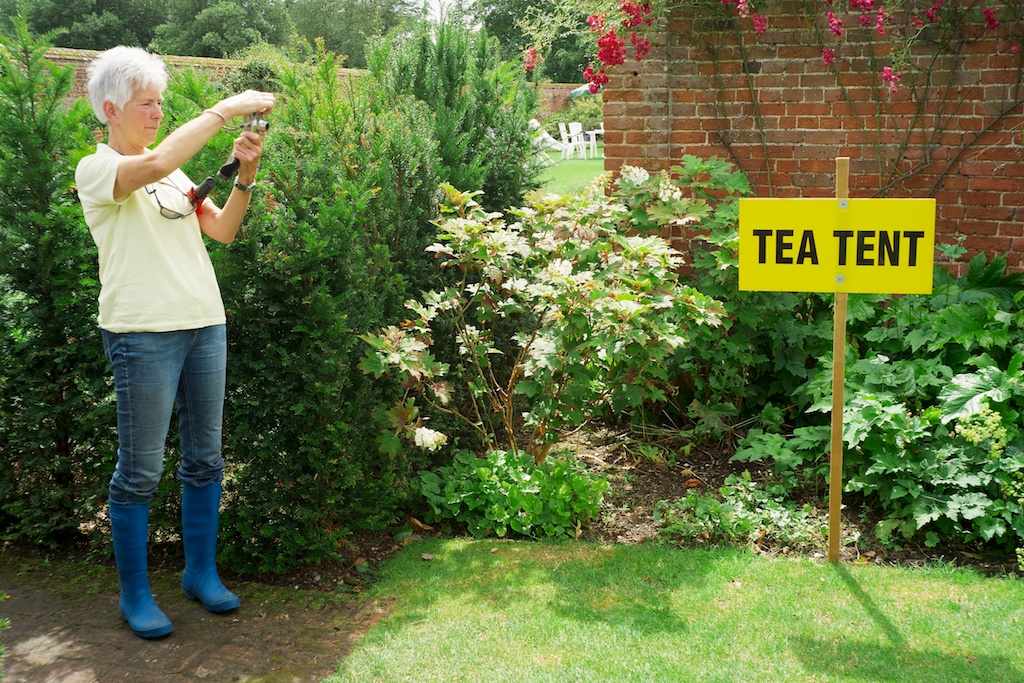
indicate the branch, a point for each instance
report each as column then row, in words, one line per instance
column 963, row 148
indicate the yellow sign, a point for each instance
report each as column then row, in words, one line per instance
column 866, row 246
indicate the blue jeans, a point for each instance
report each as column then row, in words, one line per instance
column 154, row 373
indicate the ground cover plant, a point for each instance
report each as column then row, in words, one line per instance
column 933, row 450
column 503, row 611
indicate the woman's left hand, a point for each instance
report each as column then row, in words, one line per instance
column 247, row 149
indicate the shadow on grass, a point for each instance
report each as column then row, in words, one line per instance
column 619, row 587
column 896, row 661
column 861, row 661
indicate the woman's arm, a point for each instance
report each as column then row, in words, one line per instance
column 181, row 145
column 222, row 224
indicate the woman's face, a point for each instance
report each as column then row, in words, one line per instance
column 140, row 119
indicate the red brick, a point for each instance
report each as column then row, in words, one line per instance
column 996, row 184
column 990, row 213
column 994, row 244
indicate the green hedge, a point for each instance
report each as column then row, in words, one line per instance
column 333, row 244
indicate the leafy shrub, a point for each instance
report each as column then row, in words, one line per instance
column 741, row 373
column 919, row 369
column 595, row 312
column 506, row 491
column 334, row 243
column 933, row 445
column 742, row 512
column 57, row 425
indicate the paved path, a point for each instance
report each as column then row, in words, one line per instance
column 68, row 630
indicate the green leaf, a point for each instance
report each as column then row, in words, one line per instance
column 968, row 393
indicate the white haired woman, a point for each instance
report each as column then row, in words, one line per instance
column 161, row 315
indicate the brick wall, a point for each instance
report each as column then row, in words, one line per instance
column 81, row 58
column 960, row 141
column 551, row 97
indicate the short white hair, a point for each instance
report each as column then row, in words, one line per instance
column 117, row 73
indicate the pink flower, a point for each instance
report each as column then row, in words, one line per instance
column 595, row 78
column 892, row 79
column 933, row 14
column 636, row 13
column 531, row 58
column 1014, row 49
column 596, row 22
column 990, row 18
column 828, row 55
column 880, row 20
column 611, row 49
column 760, row 24
column 641, row 46
column 835, row 24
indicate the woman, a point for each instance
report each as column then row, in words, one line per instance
column 161, row 315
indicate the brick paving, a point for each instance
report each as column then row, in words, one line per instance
column 68, row 630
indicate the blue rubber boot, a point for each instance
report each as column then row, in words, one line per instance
column 130, row 528
column 200, row 509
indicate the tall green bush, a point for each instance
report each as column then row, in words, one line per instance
column 334, row 243
column 57, row 436
column 478, row 106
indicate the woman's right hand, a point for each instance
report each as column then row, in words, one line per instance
column 248, row 102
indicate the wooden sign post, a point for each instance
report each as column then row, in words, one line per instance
column 835, row 458
column 841, row 245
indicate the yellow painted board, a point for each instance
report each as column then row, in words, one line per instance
column 865, row 246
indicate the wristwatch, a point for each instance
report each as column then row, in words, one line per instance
column 245, row 188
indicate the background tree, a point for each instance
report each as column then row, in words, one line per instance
column 218, row 28
column 346, row 25
column 564, row 57
column 97, row 24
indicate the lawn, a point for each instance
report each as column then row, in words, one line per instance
column 485, row 611
column 569, row 176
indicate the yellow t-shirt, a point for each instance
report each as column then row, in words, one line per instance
column 155, row 272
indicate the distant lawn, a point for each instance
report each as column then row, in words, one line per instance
column 504, row 611
column 569, row 176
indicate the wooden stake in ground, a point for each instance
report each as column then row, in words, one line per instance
column 835, row 485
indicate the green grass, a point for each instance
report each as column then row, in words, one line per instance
column 565, row 612
column 569, row 176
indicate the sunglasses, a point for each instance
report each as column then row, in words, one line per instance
column 164, row 211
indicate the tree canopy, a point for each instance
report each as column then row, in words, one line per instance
column 564, row 58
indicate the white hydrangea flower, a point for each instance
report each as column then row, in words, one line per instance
column 429, row 438
column 516, row 284
column 667, row 191
column 559, row 268
column 547, row 241
column 634, row 175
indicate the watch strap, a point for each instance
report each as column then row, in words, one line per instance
column 245, row 188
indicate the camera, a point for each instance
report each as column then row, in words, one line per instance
column 256, row 123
